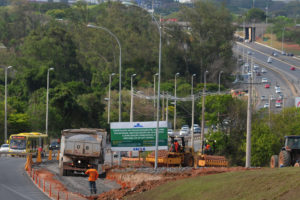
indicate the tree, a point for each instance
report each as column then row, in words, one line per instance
column 255, row 15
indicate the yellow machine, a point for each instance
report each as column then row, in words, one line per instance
column 208, row 159
column 183, row 157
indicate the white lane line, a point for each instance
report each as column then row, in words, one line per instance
column 12, row 190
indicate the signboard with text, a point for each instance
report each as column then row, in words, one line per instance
column 138, row 136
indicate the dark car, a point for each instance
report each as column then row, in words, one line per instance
column 54, row 146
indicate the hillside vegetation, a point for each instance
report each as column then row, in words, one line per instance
column 258, row 184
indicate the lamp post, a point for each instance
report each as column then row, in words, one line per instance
column 203, row 110
column 193, row 111
column 154, row 77
column 109, row 98
column 158, row 86
column 249, row 116
column 282, row 38
column 131, row 104
column 47, row 98
column 219, row 91
column 5, row 105
column 177, row 74
column 120, row 65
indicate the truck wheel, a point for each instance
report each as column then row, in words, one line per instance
column 188, row 160
column 284, row 159
column 274, row 161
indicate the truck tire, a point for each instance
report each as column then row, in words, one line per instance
column 188, row 160
column 284, row 158
column 274, row 161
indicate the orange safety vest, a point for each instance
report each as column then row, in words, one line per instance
column 93, row 174
column 176, row 146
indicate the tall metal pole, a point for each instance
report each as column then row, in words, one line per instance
column 167, row 109
column 249, row 115
column 109, row 98
column 154, row 89
column 269, row 111
column 219, row 92
column 175, row 101
column 47, row 99
column 131, row 104
column 163, row 106
column 193, row 111
column 120, row 65
column 203, row 110
column 282, row 38
column 5, row 106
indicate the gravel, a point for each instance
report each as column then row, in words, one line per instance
column 78, row 183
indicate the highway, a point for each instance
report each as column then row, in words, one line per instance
column 14, row 183
column 278, row 73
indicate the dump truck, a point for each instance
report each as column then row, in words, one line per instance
column 81, row 149
column 289, row 154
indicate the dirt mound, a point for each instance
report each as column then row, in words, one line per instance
column 133, row 182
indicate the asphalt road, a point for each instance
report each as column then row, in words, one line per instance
column 14, row 183
column 260, row 57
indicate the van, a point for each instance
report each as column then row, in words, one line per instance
column 269, row 60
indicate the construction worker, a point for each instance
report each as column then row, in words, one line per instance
column 176, row 146
column 93, row 176
column 207, row 149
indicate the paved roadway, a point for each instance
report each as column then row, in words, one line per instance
column 14, row 183
column 260, row 57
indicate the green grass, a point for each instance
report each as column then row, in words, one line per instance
column 283, row 183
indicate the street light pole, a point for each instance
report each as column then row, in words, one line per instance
column 131, row 104
column 5, row 105
column 154, row 88
column 193, row 111
column 47, row 98
column 120, row 64
column 249, row 115
column 282, row 38
column 203, row 110
column 109, row 98
column 219, row 92
column 175, row 105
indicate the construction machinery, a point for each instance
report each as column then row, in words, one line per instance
column 183, row 157
column 289, row 154
column 208, row 159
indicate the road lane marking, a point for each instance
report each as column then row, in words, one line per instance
column 18, row 193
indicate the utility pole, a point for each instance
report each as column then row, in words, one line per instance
column 193, row 111
column 202, row 116
column 167, row 109
column 269, row 111
column 177, row 74
column 249, row 116
column 282, row 38
column 109, row 98
column 154, row 89
column 131, row 104
column 163, row 107
column 5, row 106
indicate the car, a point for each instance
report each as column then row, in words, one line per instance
column 249, row 52
column 267, row 86
column 278, row 105
column 277, row 90
column 272, row 98
column 292, row 68
column 263, row 70
column 185, row 126
column 267, row 105
column 255, row 67
column 197, row 130
column 274, row 54
column 170, row 132
column 280, row 96
column 283, row 53
column 290, row 54
column 263, row 98
column 249, row 73
column 54, row 146
column 196, row 125
column 184, row 131
column 264, row 80
column 258, row 74
column 4, row 148
column 278, row 101
column 269, row 60
column 277, row 87
column 246, row 64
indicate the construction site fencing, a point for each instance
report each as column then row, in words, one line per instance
column 52, row 189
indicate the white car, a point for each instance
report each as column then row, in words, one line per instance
column 277, row 87
column 278, row 105
column 277, row 90
column 256, row 67
column 4, row 148
column 246, row 64
column 269, row 60
column 267, row 105
column 170, row 132
column 184, row 131
column 263, row 70
column 263, row 98
column 264, row 80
